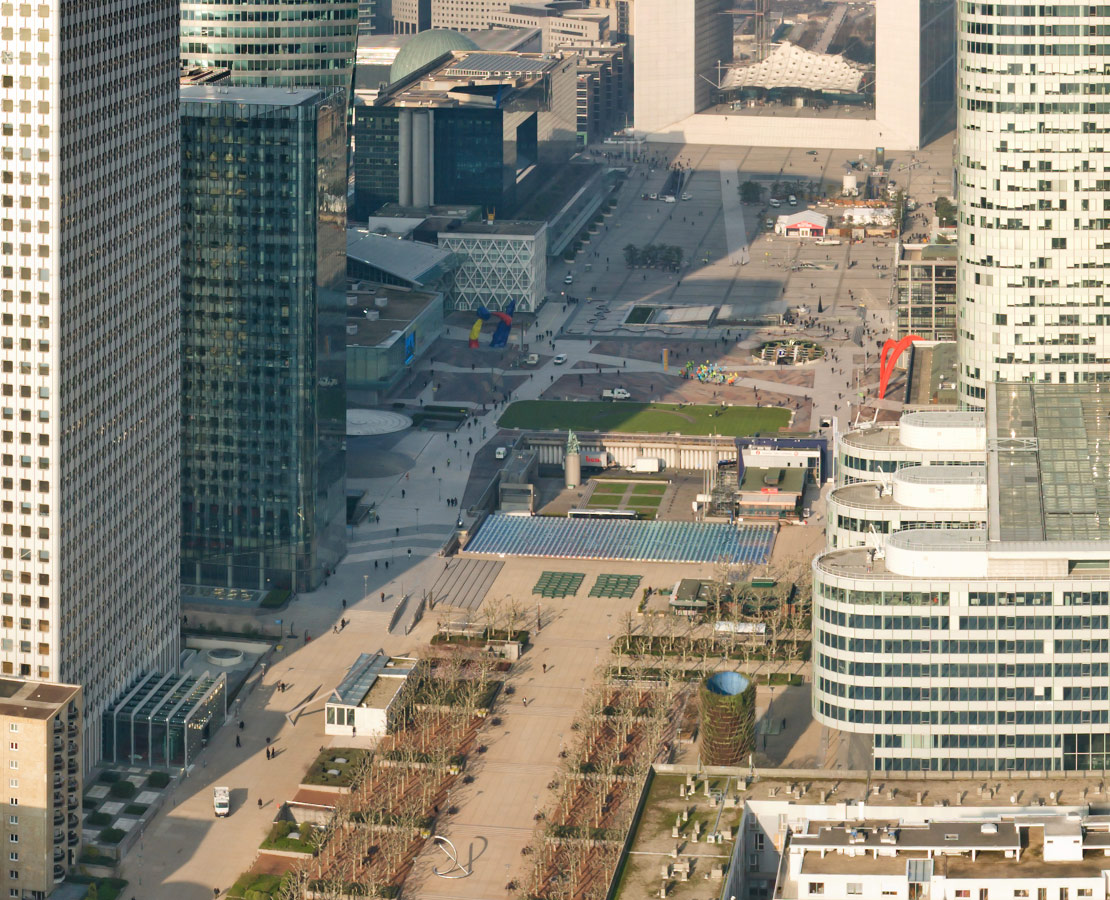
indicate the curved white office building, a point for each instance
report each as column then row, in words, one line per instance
column 1033, row 128
column 865, row 513
column 982, row 649
column 938, row 438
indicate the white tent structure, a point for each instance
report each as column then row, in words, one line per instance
column 791, row 66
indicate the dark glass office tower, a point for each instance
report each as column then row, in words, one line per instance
column 263, row 212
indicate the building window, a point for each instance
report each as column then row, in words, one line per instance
column 759, row 840
column 816, row 888
column 13, row 745
column 13, row 856
column 13, row 726
column 855, row 887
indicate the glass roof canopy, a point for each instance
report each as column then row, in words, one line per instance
column 1049, row 449
column 165, row 719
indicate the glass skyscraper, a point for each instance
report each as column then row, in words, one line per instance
column 283, row 44
column 263, row 214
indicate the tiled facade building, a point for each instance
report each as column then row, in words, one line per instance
column 1033, row 195
column 89, row 345
column 263, row 497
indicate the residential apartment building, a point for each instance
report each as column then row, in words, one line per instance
column 41, row 753
column 286, row 44
column 1032, row 195
column 263, row 281
column 89, row 346
column 925, row 291
column 976, row 649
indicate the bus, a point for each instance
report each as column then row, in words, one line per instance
column 601, row 514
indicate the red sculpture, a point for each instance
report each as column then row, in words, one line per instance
column 891, row 351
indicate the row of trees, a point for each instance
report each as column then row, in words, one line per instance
column 620, row 732
column 379, row 827
column 653, row 256
column 752, row 191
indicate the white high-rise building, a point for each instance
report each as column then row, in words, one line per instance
column 1034, row 194
column 961, row 620
column 89, row 338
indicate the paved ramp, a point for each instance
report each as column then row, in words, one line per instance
column 465, row 582
column 736, row 233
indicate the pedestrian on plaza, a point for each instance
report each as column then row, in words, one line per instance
column 238, row 743
column 383, row 596
column 402, row 493
column 344, row 602
column 267, row 741
column 260, row 803
column 545, row 668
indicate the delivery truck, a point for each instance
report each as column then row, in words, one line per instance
column 646, row 465
column 221, row 801
column 615, row 394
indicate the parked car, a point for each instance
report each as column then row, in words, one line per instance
column 500, row 452
column 569, row 279
column 615, row 394
column 560, row 359
column 687, row 197
column 532, row 359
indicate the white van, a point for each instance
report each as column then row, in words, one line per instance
column 773, row 203
column 500, row 452
column 792, row 200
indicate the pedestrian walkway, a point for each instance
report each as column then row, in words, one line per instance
column 736, row 232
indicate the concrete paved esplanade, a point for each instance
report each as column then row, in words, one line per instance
column 186, row 852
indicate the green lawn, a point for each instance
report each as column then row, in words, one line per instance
column 653, row 489
column 642, row 418
column 605, row 501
